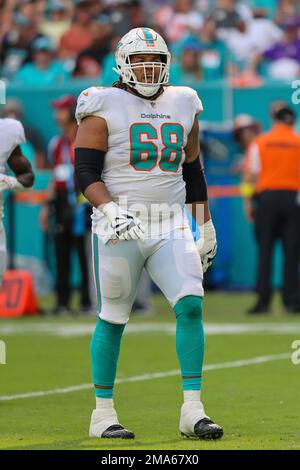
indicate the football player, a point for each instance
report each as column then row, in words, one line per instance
column 11, row 137
column 137, row 162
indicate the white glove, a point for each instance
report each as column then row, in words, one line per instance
column 9, row 182
column 125, row 225
column 207, row 244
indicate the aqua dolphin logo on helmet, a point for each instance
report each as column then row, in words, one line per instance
column 143, row 41
column 149, row 37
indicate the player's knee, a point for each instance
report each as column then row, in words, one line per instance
column 106, row 336
column 107, row 328
column 189, row 307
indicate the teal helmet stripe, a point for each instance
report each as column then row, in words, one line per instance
column 148, row 36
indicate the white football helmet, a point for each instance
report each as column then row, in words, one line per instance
column 143, row 41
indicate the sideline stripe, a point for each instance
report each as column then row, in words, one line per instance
column 93, row 264
column 97, row 274
column 80, row 329
column 156, row 375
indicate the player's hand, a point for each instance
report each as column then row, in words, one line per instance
column 125, row 225
column 207, row 245
column 9, row 182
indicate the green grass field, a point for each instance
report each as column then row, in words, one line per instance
column 255, row 400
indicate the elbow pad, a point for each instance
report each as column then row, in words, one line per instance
column 195, row 184
column 89, row 165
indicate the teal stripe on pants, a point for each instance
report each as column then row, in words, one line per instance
column 96, row 266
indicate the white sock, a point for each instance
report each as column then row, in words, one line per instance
column 103, row 416
column 104, row 403
column 191, row 395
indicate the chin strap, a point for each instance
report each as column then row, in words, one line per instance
column 119, row 84
column 124, row 86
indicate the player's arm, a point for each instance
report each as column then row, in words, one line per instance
column 250, row 177
column 196, row 197
column 22, row 169
column 193, row 173
column 90, row 149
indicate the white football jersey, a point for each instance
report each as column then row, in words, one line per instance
column 11, row 135
column 146, row 140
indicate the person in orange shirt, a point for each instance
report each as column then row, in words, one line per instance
column 272, row 173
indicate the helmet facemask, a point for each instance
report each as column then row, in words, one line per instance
column 147, row 77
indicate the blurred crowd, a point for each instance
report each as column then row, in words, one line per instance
column 54, row 41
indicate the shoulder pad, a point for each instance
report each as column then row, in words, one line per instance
column 14, row 132
column 90, row 102
column 197, row 103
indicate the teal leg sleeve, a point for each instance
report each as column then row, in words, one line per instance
column 105, row 348
column 190, row 341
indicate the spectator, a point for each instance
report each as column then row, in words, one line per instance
column 214, row 54
column 272, row 166
column 228, row 12
column 283, row 59
column 86, row 67
column 119, row 17
column 244, row 40
column 17, row 43
column 245, row 129
column 33, row 148
column 285, row 9
column 29, row 9
column 151, row 6
column 57, row 21
column 79, row 36
column 189, row 70
column 175, row 21
column 96, row 8
column 137, row 13
column 89, row 62
column 45, row 69
column 68, row 211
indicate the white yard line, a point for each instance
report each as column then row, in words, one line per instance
column 83, row 329
column 156, row 375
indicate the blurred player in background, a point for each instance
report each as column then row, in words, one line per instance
column 11, row 137
column 68, row 211
column 34, row 147
column 137, row 162
column 272, row 172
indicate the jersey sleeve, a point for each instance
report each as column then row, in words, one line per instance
column 90, row 103
column 15, row 134
column 197, row 103
column 192, row 104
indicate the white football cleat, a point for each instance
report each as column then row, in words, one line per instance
column 195, row 423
